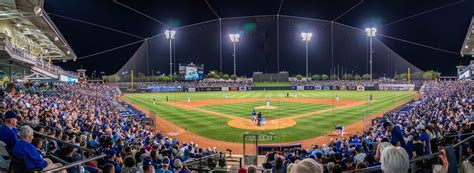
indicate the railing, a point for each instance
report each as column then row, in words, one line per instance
column 67, row 165
column 44, row 65
column 414, row 167
column 73, row 164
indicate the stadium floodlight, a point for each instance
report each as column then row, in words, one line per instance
column 170, row 35
column 370, row 33
column 234, row 38
column 306, row 38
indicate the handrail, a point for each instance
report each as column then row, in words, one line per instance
column 63, row 142
column 424, row 157
column 463, row 141
column 75, row 164
column 57, row 159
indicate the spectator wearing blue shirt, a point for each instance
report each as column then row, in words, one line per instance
column 26, row 151
column 425, row 138
column 164, row 166
column 9, row 131
column 395, row 134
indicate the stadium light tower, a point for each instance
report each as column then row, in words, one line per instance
column 370, row 33
column 234, row 38
column 170, row 36
column 306, row 38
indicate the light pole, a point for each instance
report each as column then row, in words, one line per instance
column 170, row 36
column 234, row 38
column 306, row 38
column 370, row 33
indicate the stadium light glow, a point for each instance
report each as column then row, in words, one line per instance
column 170, row 35
column 234, row 38
column 306, row 38
column 370, row 33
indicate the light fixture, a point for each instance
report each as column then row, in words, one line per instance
column 38, row 11
column 56, row 38
column 466, row 46
column 306, row 36
column 234, row 37
column 370, row 31
column 170, row 34
column 18, row 25
column 68, row 52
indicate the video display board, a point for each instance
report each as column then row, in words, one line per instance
column 191, row 71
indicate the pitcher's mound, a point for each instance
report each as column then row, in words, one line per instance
column 266, row 107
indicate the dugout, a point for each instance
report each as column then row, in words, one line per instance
column 270, row 77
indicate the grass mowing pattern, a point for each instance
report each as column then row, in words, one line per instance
column 284, row 109
column 216, row 127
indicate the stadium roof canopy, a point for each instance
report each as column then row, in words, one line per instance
column 30, row 21
column 468, row 46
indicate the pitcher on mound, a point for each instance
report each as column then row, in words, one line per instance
column 268, row 101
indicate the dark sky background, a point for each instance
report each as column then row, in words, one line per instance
column 445, row 28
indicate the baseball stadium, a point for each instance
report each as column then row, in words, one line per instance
column 271, row 86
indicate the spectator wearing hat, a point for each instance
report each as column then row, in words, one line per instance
column 425, row 138
column 165, row 166
column 8, row 130
column 180, row 167
column 148, row 166
column 111, row 159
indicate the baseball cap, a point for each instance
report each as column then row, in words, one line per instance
column 177, row 163
column 111, row 153
column 166, row 161
column 147, row 162
column 420, row 127
column 11, row 114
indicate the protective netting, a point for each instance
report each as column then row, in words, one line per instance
column 268, row 44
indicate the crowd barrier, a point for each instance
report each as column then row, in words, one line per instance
column 264, row 149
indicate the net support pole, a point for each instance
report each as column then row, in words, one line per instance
column 234, row 60
column 370, row 61
column 171, row 63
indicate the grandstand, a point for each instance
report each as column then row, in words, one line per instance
column 277, row 93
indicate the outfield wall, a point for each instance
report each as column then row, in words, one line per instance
column 381, row 87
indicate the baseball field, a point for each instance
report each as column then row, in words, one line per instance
column 292, row 115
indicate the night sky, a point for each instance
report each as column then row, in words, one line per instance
column 445, row 28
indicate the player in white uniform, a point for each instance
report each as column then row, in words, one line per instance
column 268, row 101
column 337, row 97
column 189, row 99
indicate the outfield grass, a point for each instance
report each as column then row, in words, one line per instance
column 216, row 127
column 284, row 109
